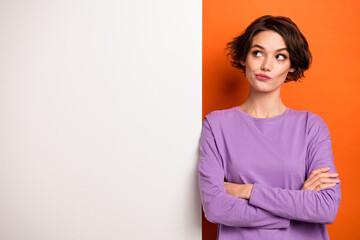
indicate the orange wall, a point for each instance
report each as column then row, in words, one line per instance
column 331, row 87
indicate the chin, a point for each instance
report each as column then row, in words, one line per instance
column 265, row 89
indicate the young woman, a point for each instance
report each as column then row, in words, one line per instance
column 267, row 171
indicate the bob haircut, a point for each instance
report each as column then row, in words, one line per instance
column 297, row 46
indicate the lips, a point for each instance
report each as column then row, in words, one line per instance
column 262, row 77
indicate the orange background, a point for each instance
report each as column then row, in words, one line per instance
column 331, row 87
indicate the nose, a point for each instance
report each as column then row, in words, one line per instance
column 266, row 64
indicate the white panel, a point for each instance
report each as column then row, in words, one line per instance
column 100, row 106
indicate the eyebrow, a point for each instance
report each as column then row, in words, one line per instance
column 261, row 47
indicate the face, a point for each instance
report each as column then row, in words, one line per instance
column 267, row 62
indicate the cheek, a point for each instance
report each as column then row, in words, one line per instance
column 252, row 65
column 283, row 69
column 286, row 71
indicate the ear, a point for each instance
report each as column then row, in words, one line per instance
column 242, row 63
column 292, row 70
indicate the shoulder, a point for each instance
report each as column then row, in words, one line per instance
column 315, row 125
column 315, row 121
column 314, row 118
column 219, row 116
column 311, row 118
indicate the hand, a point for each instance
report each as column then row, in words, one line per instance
column 319, row 180
column 239, row 190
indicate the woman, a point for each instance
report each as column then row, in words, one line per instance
column 266, row 171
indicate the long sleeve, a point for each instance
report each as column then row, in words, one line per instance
column 219, row 206
column 304, row 205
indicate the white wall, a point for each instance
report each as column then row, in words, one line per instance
column 100, row 106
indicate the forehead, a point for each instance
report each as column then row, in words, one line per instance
column 269, row 39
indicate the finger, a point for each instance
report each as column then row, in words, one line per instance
column 312, row 186
column 314, row 179
column 319, row 170
column 323, row 186
column 306, row 186
column 318, row 177
column 311, row 182
column 328, row 174
column 329, row 180
column 323, row 169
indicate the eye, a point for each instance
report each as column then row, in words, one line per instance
column 256, row 53
column 281, row 57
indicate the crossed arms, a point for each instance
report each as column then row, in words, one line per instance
column 267, row 207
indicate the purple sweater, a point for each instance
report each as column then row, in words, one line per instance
column 276, row 155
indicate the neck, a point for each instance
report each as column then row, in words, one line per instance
column 263, row 104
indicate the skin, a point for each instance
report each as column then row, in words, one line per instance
column 264, row 100
column 268, row 55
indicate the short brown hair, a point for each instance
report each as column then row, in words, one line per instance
column 297, row 46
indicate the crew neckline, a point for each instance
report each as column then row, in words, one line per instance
column 263, row 119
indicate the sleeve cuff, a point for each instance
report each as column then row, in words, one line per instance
column 266, row 197
column 254, row 195
column 259, row 196
column 258, row 199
